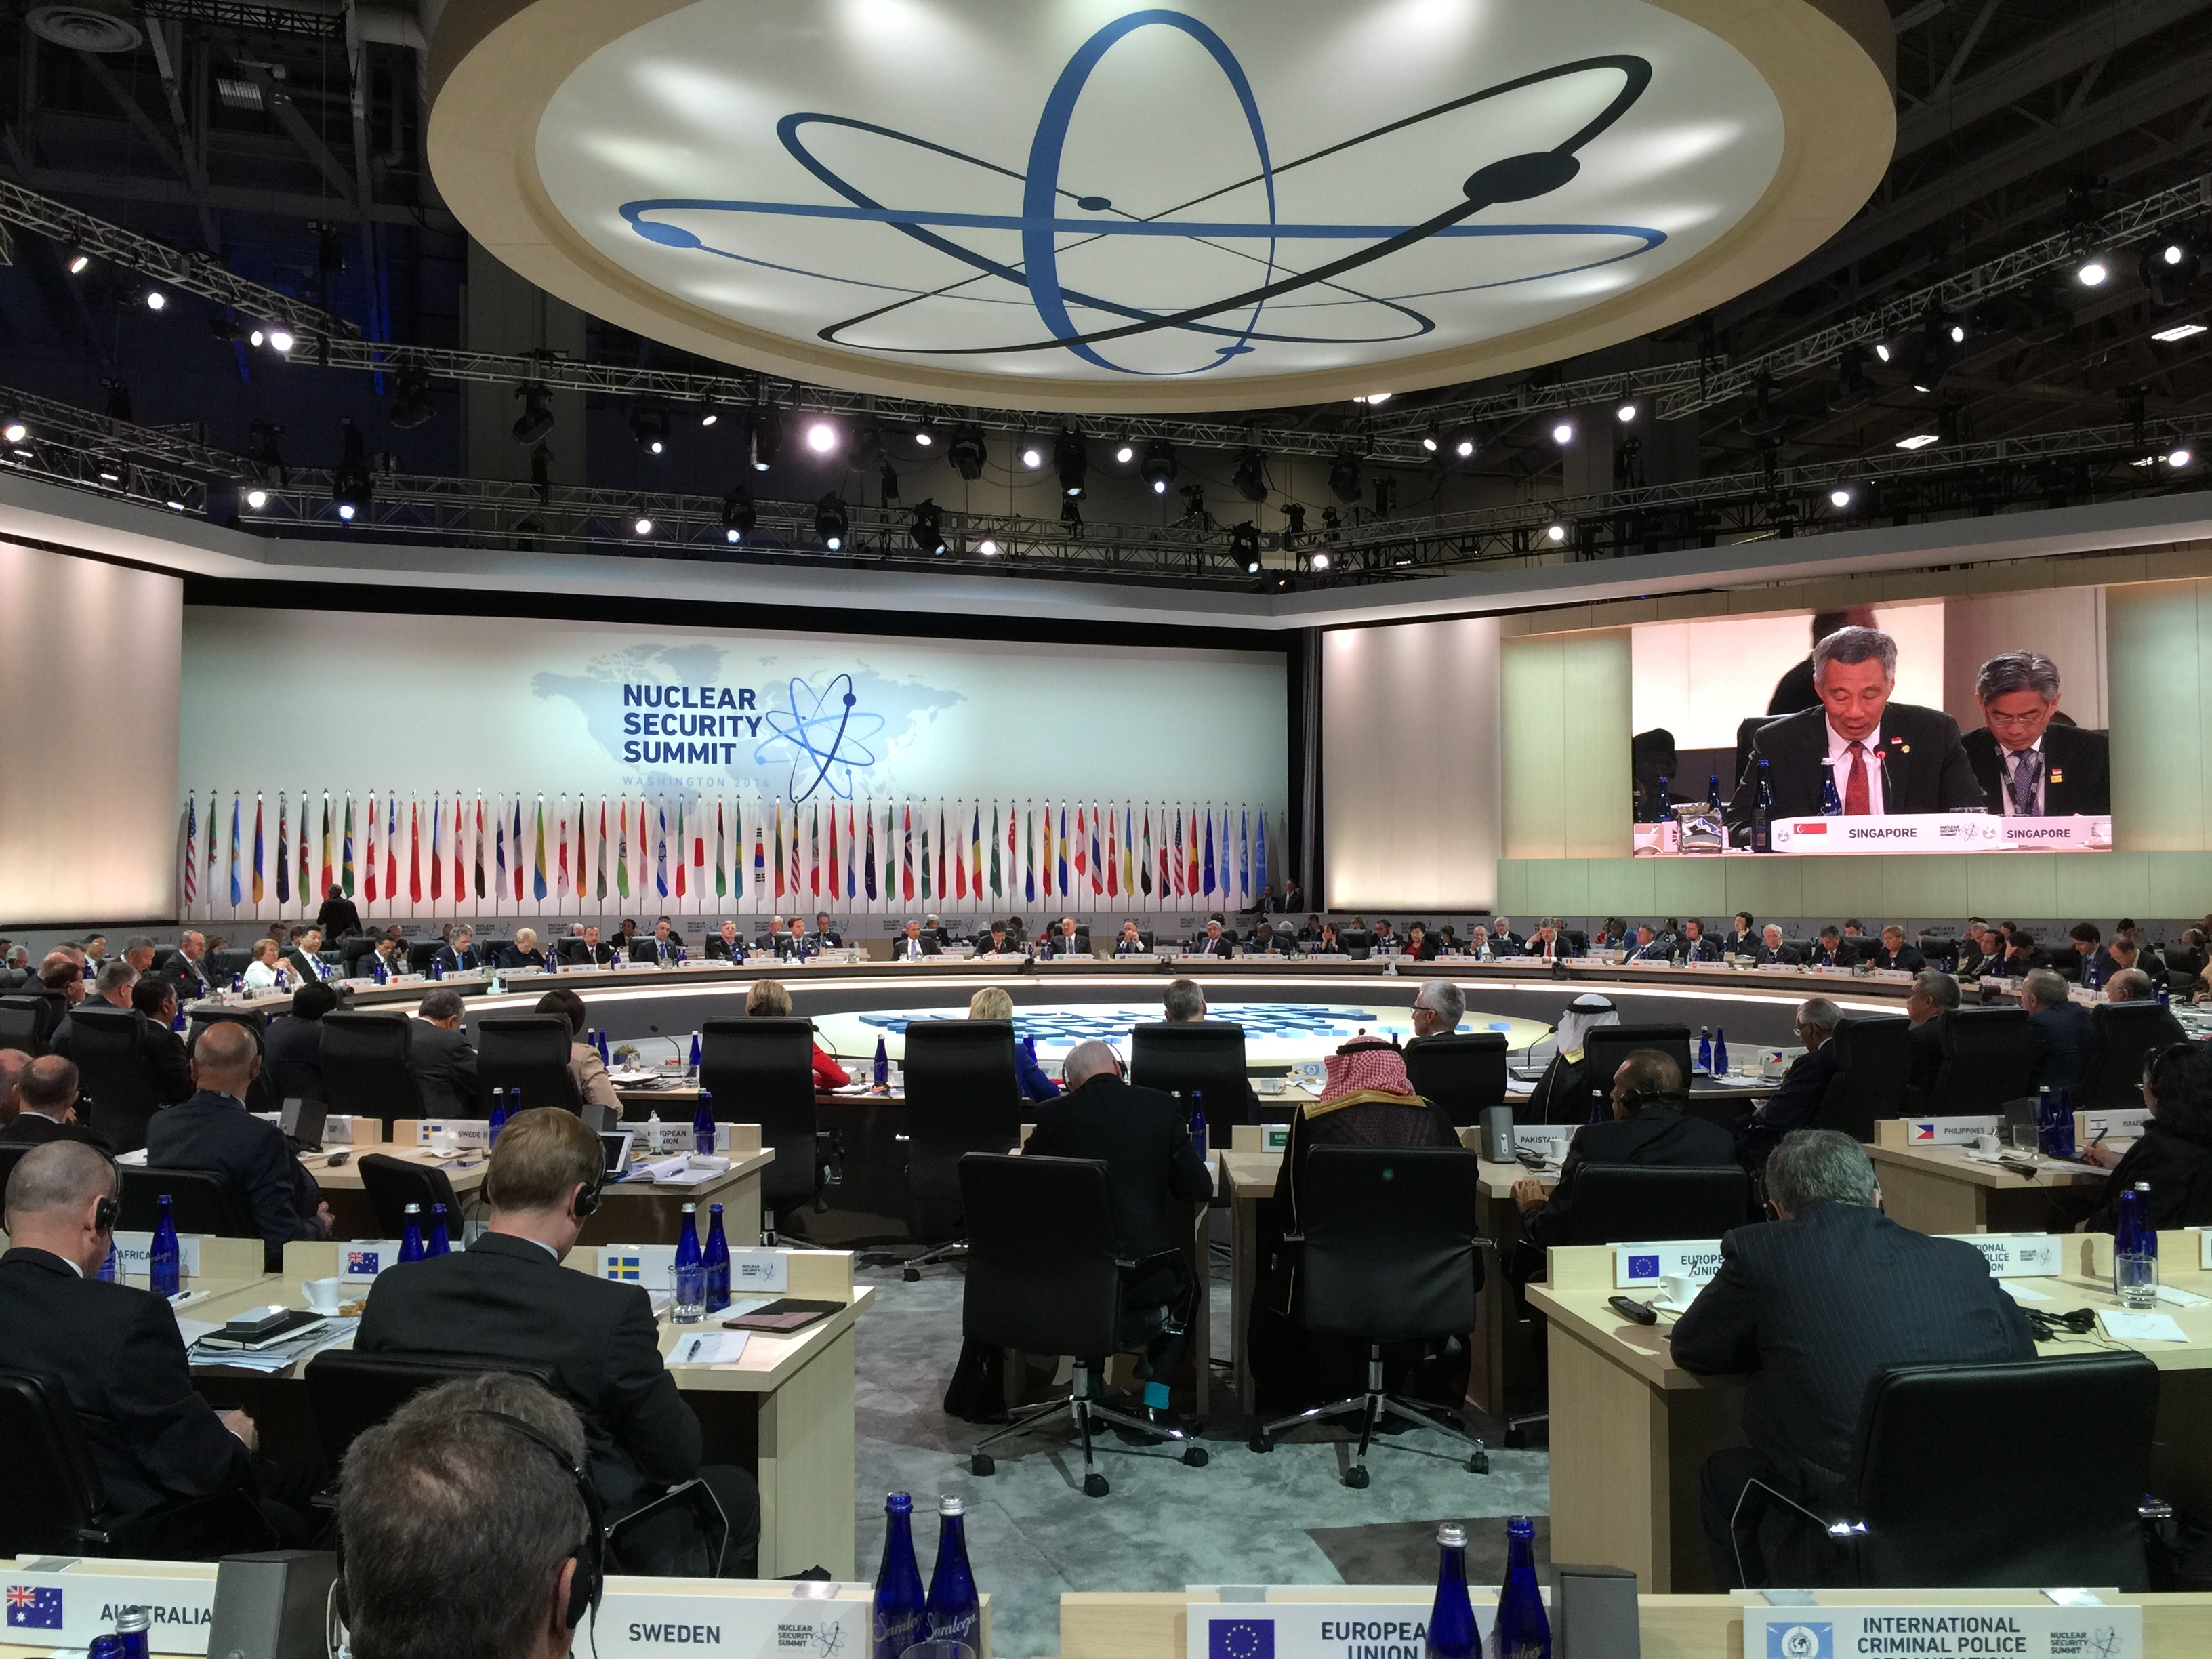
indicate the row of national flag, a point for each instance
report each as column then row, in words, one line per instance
column 260, row 855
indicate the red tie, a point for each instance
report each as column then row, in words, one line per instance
column 1855, row 790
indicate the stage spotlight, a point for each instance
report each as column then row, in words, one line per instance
column 1032, row 454
column 1555, row 533
column 967, row 451
column 1840, row 497
column 1125, row 453
column 1318, row 560
column 2169, row 268
column 1244, row 544
column 1628, row 411
column 764, row 439
column 537, row 417
column 831, row 522
column 1249, row 480
column 643, row 527
column 738, row 514
column 988, row 547
column 1373, row 399
column 2094, row 269
column 1159, row 469
column 78, row 262
column 2179, row 456
column 281, row 341
column 414, row 405
column 155, row 299
column 15, row 430
column 1469, row 445
column 1432, row 441
column 928, row 529
column 648, row 427
column 256, row 498
column 1071, row 453
column 925, row 436
column 1344, row 478
column 1563, row 433
column 821, row 436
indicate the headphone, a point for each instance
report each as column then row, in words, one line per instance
column 587, row 1199
column 107, row 1211
column 590, row 1556
column 1678, row 1099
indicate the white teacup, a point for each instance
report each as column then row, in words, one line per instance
column 1676, row 1289
column 445, row 1142
column 322, row 1294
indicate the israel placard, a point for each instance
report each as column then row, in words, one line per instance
column 1694, row 1258
column 2125, row 1124
column 67, row 1609
column 2018, row 1256
column 1318, row 1629
column 832, row 1623
column 2040, row 1632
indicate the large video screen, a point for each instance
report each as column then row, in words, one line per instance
column 1937, row 726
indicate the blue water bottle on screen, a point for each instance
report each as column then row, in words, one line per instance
column 1720, row 1051
column 702, row 1124
column 955, row 1610
column 690, row 1270
column 440, row 1244
column 1522, row 1630
column 694, row 1062
column 410, row 1233
column 1831, row 804
column 165, row 1261
column 717, row 1262
column 1663, row 805
column 1713, row 791
column 1704, row 1050
column 901, row 1612
column 881, row 1075
column 1198, row 1120
column 1452, row 1634
column 1762, row 811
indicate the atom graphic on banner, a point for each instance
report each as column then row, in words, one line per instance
column 815, row 731
column 1227, row 327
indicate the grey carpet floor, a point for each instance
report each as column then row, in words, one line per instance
column 1284, row 1518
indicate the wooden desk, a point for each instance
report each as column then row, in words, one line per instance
column 1936, row 1189
column 785, row 1410
column 1130, row 1624
column 348, row 1197
column 1630, row 1430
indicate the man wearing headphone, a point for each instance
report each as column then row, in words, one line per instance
column 507, row 1298
column 156, row 1443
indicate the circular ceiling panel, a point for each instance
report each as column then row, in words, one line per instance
column 1062, row 204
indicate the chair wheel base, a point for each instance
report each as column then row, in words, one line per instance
column 1094, row 1486
column 982, row 1463
column 912, row 1275
column 1259, row 1443
column 1478, row 1464
column 1195, row 1456
column 1356, row 1478
column 1515, row 1439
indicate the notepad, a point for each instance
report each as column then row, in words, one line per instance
column 2020, row 1292
column 709, row 1348
column 2124, row 1326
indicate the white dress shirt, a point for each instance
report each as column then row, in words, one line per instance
column 1839, row 758
column 260, row 976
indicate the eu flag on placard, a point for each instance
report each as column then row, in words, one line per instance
column 1240, row 1638
column 1643, row 1266
column 33, row 1609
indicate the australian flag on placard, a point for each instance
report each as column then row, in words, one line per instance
column 1241, row 1639
column 33, row 1609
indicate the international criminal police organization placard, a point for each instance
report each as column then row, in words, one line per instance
column 2094, row 1631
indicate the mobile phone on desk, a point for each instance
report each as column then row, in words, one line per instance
column 1629, row 1308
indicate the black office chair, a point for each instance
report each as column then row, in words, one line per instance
column 761, row 1068
column 121, row 1090
column 393, row 1183
column 27, row 1019
column 260, row 1094
column 1461, row 1073
column 1359, row 946
column 2185, row 974
column 365, row 1073
column 962, row 1096
column 1607, row 1046
column 226, row 964
column 52, row 1500
column 1389, row 1254
column 355, row 950
column 421, row 952
column 1639, row 1203
column 1043, row 1277
column 1203, row 1057
column 1989, row 1057
column 1874, row 1057
column 1928, row 1506
column 200, row 1201
column 529, row 1053
column 572, row 949
column 2123, row 1034
column 349, row 1393
column 1941, row 950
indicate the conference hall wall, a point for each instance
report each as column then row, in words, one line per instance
column 88, row 749
column 714, row 772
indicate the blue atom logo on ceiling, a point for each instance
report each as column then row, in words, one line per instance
column 1064, row 275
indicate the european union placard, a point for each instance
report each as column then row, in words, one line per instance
column 1240, row 1638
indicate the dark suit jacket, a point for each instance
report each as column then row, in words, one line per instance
column 1811, row 1307
column 507, row 1298
column 1225, row 946
column 154, row 1440
column 1700, row 950
column 192, row 978
column 446, row 960
column 1923, row 1044
column 2180, row 1170
column 2078, row 766
column 1908, row 958
column 292, row 1053
column 927, row 940
column 215, row 1132
column 510, row 957
column 161, row 1049
column 1784, row 956
column 306, row 967
column 1145, row 1141
column 30, row 1129
column 2063, row 1037
column 1790, row 1107
column 595, row 954
column 395, row 964
column 444, row 1066
column 648, row 948
column 1926, row 769
column 1656, row 1135
column 721, row 949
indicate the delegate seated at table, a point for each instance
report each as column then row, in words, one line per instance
column 2175, row 1153
column 1807, row 1308
column 1803, row 1086
column 771, row 997
column 1562, row 1094
column 508, row 1296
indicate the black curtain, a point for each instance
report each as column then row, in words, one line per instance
column 1302, row 682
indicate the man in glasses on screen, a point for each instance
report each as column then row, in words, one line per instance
column 2031, row 761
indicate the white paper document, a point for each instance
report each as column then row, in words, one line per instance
column 2124, row 1326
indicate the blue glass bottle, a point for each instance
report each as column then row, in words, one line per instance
column 238, row 985
column 1831, row 804
column 134, row 1631
column 603, row 1060
column 2054, row 1122
column 703, row 1122
column 377, row 972
column 1762, row 811
column 438, row 1244
column 1600, row 1105
column 165, row 1261
column 1662, row 805
column 717, row 1262
column 881, row 1077
column 2134, row 1251
column 1452, row 1633
column 2165, row 994
column 1713, row 791
column 1720, row 1051
column 109, row 1267
column 901, row 1611
column 690, row 1270
column 437, row 969
column 1704, row 1049
column 956, row 1611
column 178, row 1022
column 1522, row 1630
column 1198, row 1120
column 410, row 1233
column 498, row 1113
column 693, row 1063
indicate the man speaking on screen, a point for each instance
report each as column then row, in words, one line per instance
column 1886, row 757
column 2027, row 766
